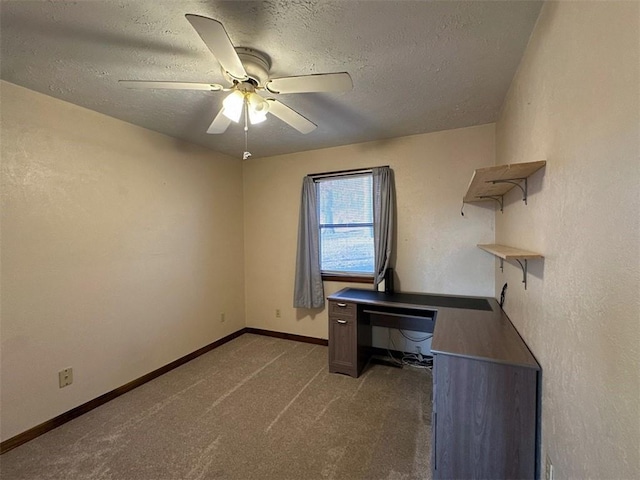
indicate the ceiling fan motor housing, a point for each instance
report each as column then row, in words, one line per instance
column 256, row 64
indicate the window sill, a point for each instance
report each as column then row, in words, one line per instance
column 329, row 277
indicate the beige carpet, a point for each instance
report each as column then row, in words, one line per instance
column 255, row 408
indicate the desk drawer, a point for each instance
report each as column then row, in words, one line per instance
column 342, row 309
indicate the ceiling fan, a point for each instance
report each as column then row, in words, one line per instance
column 247, row 70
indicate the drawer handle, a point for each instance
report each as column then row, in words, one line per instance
column 341, row 321
column 342, row 305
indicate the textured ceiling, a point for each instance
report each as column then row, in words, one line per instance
column 417, row 66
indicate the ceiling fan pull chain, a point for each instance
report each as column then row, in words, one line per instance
column 246, row 154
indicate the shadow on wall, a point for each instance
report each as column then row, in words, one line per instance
column 487, row 205
column 303, row 313
column 534, row 186
column 535, row 268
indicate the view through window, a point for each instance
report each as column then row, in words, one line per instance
column 346, row 224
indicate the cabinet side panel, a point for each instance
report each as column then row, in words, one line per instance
column 486, row 420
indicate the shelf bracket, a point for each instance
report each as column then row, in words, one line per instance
column 502, row 265
column 500, row 200
column 524, row 271
column 516, row 182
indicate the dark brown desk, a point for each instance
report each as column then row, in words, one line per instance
column 486, row 382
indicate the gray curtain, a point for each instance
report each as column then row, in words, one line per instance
column 308, row 289
column 383, row 208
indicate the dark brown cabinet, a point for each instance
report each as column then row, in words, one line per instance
column 486, row 386
column 349, row 338
column 484, row 419
column 343, row 338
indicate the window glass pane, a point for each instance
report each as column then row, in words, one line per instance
column 347, row 249
column 346, row 200
column 346, row 224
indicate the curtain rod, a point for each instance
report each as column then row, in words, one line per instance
column 343, row 172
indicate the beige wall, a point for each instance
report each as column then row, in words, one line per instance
column 436, row 249
column 574, row 102
column 120, row 249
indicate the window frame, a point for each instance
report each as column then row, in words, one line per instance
column 337, row 276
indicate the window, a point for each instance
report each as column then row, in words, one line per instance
column 345, row 206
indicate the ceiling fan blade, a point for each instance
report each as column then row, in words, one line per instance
column 321, row 82
column 211, row 87
column 215, row 37
column 219, row 124
column 290, row 116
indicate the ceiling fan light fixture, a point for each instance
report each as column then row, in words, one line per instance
column 233, row 106
column 258, row 108
column 257, row 117
column 258, row 104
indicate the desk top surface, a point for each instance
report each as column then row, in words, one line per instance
column 472, row 327
column 415, row 300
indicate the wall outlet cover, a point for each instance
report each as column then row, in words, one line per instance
column 65, row 377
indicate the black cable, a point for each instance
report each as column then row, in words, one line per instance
column 417, row 340
column 409, row 359
column 502, row 294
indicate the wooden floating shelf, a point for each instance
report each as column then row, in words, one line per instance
column 491, row 183
column 510, row 253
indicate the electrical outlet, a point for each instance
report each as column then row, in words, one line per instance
column 548, row 471
column 65, row 377
column 277, row 313
column 222, row 317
